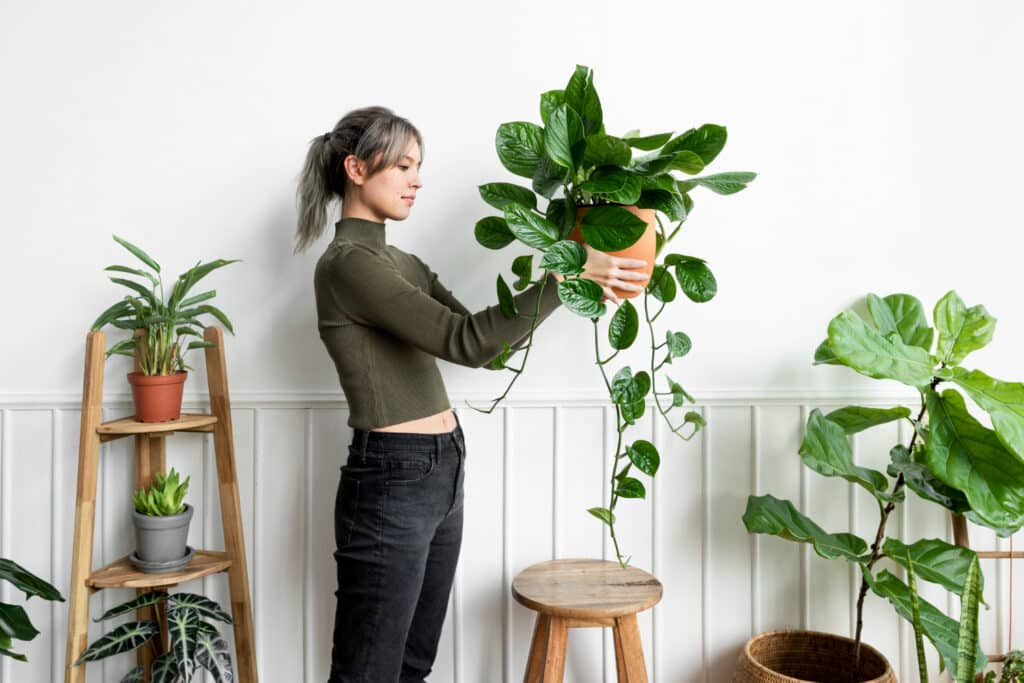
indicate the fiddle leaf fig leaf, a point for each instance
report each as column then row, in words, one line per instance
column 904, row 314
column 582, row 297
column 624, row 325
column 826, row 450
column 961, row 329
column 855, row 419
column 1003, row 401
column 823, row 355
column 770, row 515
column 934, row 560
column 860, row 347
column 921, row 481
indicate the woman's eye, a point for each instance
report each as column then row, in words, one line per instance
column 404, row 168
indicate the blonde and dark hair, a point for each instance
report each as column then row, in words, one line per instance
column 375, row 135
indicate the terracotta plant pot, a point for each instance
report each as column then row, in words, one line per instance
column 157, row 398
column 643, row 248
column 801, row 656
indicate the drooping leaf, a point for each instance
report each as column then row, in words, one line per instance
column 629, row 487
column 143, row 600
column 582, row 296
column 603, row 514
column 961, row 329
column 124, row 638
column 862, row 348
column 648, row 142
column 493, row 233
column 213, row 654
column 1003, row 401
column 624, row 325
column 520, row 145
column 855, row 419
column 706, row 141
column 662, row 285
column 27, row 582
column 644, row 456
column 530, row 228
column 566, row 257
column 611, row 228
column 826, row 450
column 769, row 515
column 695, row 278
column 725, row 183
column 500, row 195
column 934, row 560
column 921, row 481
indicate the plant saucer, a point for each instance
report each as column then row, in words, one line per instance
column 161, row 567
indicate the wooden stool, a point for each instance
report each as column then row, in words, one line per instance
column 575, row 593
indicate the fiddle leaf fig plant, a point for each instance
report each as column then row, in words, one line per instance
column 168, row 321
column 951, row 459
column 571, row 161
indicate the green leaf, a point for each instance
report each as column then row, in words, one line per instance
column 563, row 137
column 143, row 600
column 934, row 560
column 582, row 297
column 967, row 660
column 520, row 145
column 135, row 271
column 183, row 627
column 165, row 669
column 628, row 389
column 725, row 183
column 548, row 177
column 862, row 348
column 27, row 582
column 603, row 514
column 687, row 162
column 938, row 628
column 611, row 228
column 961, row 329
column 695, row 278
column 124, row 638
column 855, row 419
column 138, row 253
column 826, row 450
column 645, row 456
column 921, row 481
column 500, row 195
column 203, row 606
column 145, row 292
column 648, row 142
column 550, row 101
column 118, row 310
column 218, row 314
column 608, row 150
column 530, row 228
column 630, row 488
column 678, row 393
column 582, row 97
column 505, row 300
column 668, row 202
column 695, row 418
column 823, row 355
column 523, row 267
column 493, row 233
column 904, row 314
column 213, row 654
column 661, row 285
column 915, row 604
column 770, row 515
column 652, row 164
column 964, row 454
column 624, row 325
column 614, row 185
column 15, row 623
column 566, row 257
column 134, row 676
column 1003, row 401
column 706, row 141
column 679, row 344
column 189, row 278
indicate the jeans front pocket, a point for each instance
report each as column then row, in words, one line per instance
column 401, row 465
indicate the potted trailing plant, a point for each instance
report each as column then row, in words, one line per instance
column 162, row 326
column 195, row 643
column 951, row 459
column 588, row 188
column 161, row 519
column 14, row 621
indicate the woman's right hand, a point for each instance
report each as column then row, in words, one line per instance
column 611, row 271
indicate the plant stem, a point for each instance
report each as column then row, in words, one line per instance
column 654, row 369
column 619, row 428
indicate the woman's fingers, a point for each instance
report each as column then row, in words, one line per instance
column 623, row 262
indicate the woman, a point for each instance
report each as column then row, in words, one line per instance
column 385, row 318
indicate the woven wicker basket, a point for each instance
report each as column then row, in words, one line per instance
column 801, row 656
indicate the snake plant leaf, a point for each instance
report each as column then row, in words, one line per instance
column 968, row 456
column 165, row 669
column 942, row 631
column 826, row 450
column 520, row 145
column 725, row 183
column 706, row 141
column 624, row 325
column 770, row 515
column 566, row 257
column 563, row 136
column 492, row 232
column 581, row 96
column 961, row 329
column 530, row 228
column 630, row 488
column 500, row 195
column 27, row 582
column 505, row 299
column 611, row 228
column 921, row 481
column 645, row 456
column 855, row 419
column 203, row 606
column 135, row 271
column 213, row 654
column 183, row 627
column 138, row 253
column 862, row 348
column 124, row 638
column 549, row 101
column 967, row 660
column 904, row 314
column 603, row 514
column 915, row 605
column 662, row 286
column 647, row 143
column 144, row 600
column 15, row 623
column 134, row 676
column 606, row 150
column 582, row 297
column 1003, row 401
column 934, row 560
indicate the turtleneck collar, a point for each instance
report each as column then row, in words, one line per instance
column 362, row 230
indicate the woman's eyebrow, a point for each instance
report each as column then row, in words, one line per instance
column 418, row 163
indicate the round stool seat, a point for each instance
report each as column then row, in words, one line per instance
column 585, row 589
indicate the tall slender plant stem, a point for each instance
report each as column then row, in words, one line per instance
column 620, row 427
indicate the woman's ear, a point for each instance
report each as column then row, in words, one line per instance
column 355, row 168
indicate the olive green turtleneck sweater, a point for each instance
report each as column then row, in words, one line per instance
column 385, row 318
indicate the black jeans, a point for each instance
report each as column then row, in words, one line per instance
column 398, row 530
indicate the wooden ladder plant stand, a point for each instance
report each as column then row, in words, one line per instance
column 961, row 538
column 572, row 593
column 150, row 458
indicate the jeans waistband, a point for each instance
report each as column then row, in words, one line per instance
column 361, row 438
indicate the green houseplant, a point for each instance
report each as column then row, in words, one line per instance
column 588, row 188
column 951, row 459
column 161, row 519
column 162, row 326
column 14, row 621
column 195, row 643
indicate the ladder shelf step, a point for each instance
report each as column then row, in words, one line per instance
column 121, row 574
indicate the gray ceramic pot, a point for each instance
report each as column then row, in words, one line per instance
column 161, row 539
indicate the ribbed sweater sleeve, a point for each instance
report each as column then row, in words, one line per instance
column 371, row 290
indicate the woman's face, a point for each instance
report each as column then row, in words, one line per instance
column 389, row 193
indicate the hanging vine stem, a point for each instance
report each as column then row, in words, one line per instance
column 620, row 427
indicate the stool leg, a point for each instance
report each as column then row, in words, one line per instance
column 554, row 662
column 620, row 658
column 629, row 653
column 538, row 649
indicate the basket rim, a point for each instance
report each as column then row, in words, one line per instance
column 824, row 634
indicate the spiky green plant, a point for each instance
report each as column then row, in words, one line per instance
column 164, row 497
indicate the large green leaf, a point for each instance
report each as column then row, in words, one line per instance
column 27, row 582
column 603, row 514
column 493, row 233
column 628, row 487
column 679, row 344
column 581, row 95
column 628, row 388
column 124, row 638
column 582, row 297
column 624, row 325
column 530, row 228
column 500, row 195
column 826, row 450
column 725, row 183
column 904, row 314
column 695, row 277
column 213, row 654
column 662, row 286
column 961, row 329
column 647, row 142
column 548, row 177
column 520, row 145
column 566, row 257
column 611, row 228
column 604, row 150
column 549, row 101
column 505, row 299
column 15, row 623
column 934, row 560
column 614, row 184
column 669, row 202
column 144, row 600
column 183, row 628
column 855, row 419
column 862, row 348
column 921, row 481
column 1003, row 401
column 644, row 456
column 706, row 141
column 967, row 456
column 942, row 631
column 165, row 669
column 823, row 355
column 563, row 137
column 770, row 515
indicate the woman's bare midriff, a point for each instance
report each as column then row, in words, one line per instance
column 441, row 423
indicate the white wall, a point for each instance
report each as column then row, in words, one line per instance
column 886, row 136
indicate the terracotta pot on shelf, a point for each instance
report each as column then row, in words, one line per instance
column 157, row 398
column 644, row 248
column 801, row 656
